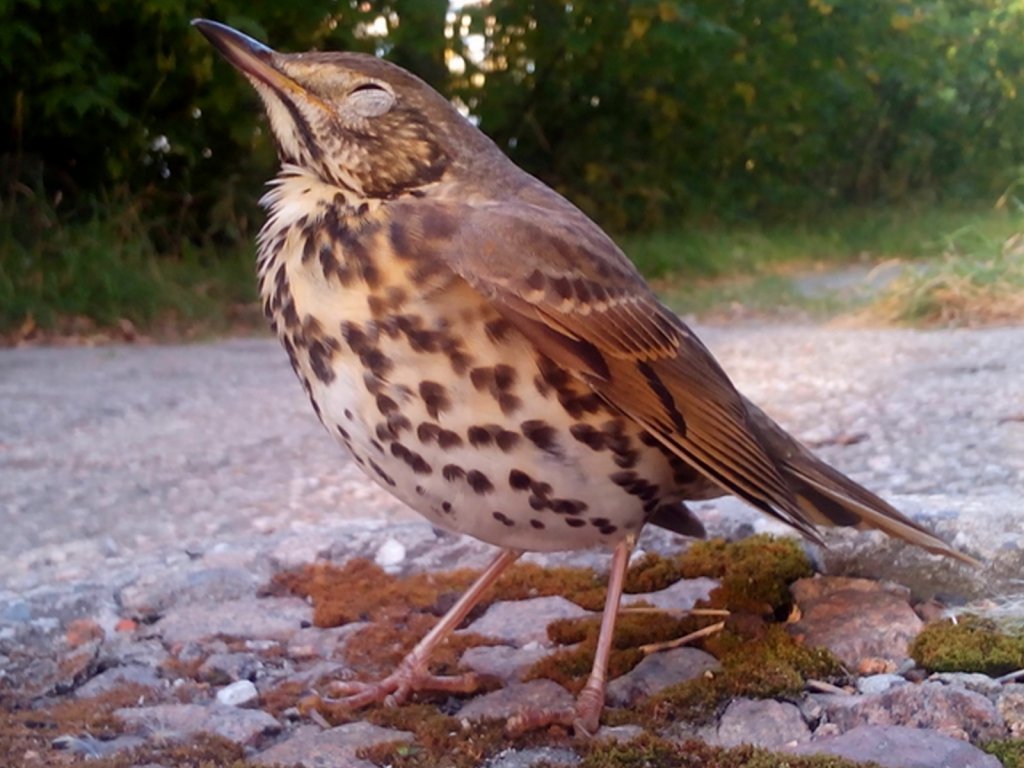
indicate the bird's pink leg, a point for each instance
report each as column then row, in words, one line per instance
column 412, row 674
column 585, row 717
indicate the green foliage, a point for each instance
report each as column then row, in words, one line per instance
column 973, row 644
column 1009, row 752
column 650, row 114
column 650, row 110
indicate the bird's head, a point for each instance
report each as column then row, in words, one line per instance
column 350, row 119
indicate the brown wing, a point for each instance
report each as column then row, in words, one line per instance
column 569, row 289
column 563, row 283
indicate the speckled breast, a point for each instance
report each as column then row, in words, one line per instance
column 444, row 403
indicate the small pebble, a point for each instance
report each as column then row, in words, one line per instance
column 238, row 694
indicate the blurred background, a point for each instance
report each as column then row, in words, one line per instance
column 751, row 154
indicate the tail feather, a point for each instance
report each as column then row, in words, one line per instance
column 827, row 497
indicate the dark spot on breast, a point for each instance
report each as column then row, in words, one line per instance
column 452, row 472
column 386, row 405
column 541, row 434
column 378, row 363
column 377, row 305
column 537, row 503
column 502, row 518
column 504, row 376
column 348, row 415
column 435, row 397
column 506, row 440
column 534, row 523
column 518, row 480
column 413, row 459
column 568, row 506
column 479, row 482
column 321, row 353
column 482, row 379
column 540, row 488
column 509, row 404
column 479, row 436
column 400, row 241
column 589, row 435
column 446, row 506
column 342, row 431
column 575, row 522
column 428, row 432
column 579, row 405
column 498, row 330
column 398, row 423
column 381, row 473
column 448, row 439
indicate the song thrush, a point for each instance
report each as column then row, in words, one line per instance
column 486, row 353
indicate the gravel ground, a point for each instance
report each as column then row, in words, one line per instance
column 122, row 452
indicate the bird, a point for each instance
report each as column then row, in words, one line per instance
column 486, row 352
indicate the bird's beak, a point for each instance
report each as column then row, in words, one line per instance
column 251, row 57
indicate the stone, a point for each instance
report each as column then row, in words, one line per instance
column 856, row 619
column 953, row 711
column 116, row 677
column 764, row 723
column 515, row 698
column 618, row 733
column 178, row 721
column 658, row 671
column 521, row 622
column 528, row 758
column 683, row 595
column 273, row 618
column 224, row 668
column 892, row 746
column 972, row 681
column 153, row 593
column 311, row 747
column 879, row 683
column 238, row 694
column 506, row 663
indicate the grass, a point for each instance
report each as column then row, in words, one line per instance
column 106, row 272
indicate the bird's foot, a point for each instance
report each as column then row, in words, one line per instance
column 584, row 717
column 396, row 688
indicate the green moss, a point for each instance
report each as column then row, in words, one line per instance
column 443, row 740
column 771, row 664
column 972, row 644
column 1009, row 752
column 651, row 573
column 755, row 573
column 652, row 752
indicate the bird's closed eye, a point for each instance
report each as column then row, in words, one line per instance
column 370, row 99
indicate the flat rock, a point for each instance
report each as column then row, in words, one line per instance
column 311, row 747
column 872, row 684
column 116, row 677
column 527, row 758
column 762, row 723
column 154, row 592
column 272, row 618
column 680, row 596
column 516, row 698
column 507, row 663
column 521, row 622
column 179, row 721
column 857, row 619
column 658, row 671
column 953, row 711
column 893, row 746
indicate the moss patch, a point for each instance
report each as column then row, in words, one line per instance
column 755, row 573
column 764, row 662
column 1009, row 752
column 444, row 740
column 652, row 752
column 27, row 731
column 973, row 644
